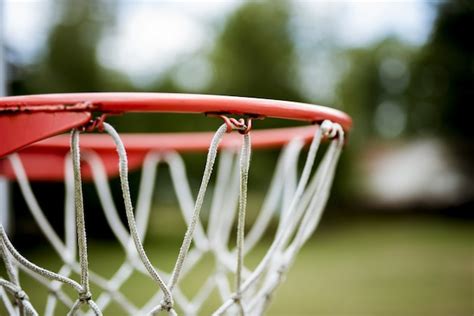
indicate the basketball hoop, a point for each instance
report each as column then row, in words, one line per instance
column 31, row 154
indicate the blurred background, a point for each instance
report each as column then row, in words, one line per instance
column 397, row 235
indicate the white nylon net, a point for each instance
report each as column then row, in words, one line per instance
column 297, row 200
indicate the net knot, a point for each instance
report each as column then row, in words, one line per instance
column 85, row 296
column 21, row 295
column 282, row 269
column 166, row 305
column 237, row 297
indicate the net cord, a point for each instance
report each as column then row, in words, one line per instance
column 244, row 174
column 188, row 237
column 24, row 305
column 13, row 286
column 227, row 207
column 261, row 266
column 224, row 170
column 297, row 222
column 6, row 302
column 142, row 214
column 149, row 168
column 131, row 263
column 308, row 224
column 167, row 303
column 123, row 273
column 64, row 252
column 34, row 268
column 123, row 169
column 70, row 231
column 185, row 198
column 85, row 295
column 326, row 130
column 43, row 215
column 211, row 157
column 60, row 295
column 36, row 211
column 70, row 236
column 270, row 205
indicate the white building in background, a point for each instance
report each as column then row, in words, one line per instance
column 422, row 172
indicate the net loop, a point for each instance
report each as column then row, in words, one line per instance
column 331, row 130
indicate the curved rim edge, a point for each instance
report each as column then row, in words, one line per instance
column 120, row 102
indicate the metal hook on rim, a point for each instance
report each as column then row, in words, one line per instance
column 242, row 125
column 97, row 123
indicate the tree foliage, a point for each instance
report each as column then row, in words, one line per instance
column 69, row 63
column 376, row 75
column 434, row 95
column 443, row 74
column 254, row 55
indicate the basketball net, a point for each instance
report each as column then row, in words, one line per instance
column 295, row 199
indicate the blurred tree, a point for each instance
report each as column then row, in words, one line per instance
column 254, row 55
column 443, row 88
column 373, row 92
column 374, row 89
column 443, row 74
column 69, row 63
column 393, row 90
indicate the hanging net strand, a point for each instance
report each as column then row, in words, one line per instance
column 123, row 169
column 329, row 130
column 313, row 211
column 244, row 173
column 85, row 296
column 211, row 157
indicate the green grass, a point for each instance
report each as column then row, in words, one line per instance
column 390, row 266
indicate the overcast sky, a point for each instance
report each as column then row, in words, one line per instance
column 147, row 29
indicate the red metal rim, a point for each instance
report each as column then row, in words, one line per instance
column 35, row 117
column 23, row 129
column 43, row 160
column 176, row 103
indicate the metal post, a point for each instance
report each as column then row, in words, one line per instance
column 4, row 184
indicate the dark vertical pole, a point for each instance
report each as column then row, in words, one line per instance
column 4, row 185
